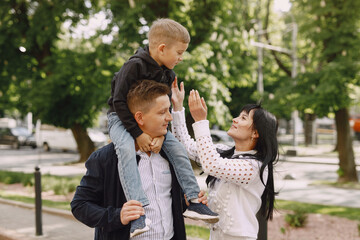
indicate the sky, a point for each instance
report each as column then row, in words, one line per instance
column 282, row 5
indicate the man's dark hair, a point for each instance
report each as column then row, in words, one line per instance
column 143, row 93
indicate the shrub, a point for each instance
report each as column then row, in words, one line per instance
column 8, row 177
column 60, row 185
column 297, row 219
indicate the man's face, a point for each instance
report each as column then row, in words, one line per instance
column 156, row 120
column 173, row 54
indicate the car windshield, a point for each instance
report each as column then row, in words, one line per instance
column 20, row 131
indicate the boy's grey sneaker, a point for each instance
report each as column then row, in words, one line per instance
column 139, row 226
column 199, row 211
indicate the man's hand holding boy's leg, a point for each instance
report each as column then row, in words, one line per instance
column 130, row 211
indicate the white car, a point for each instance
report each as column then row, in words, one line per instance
column 51, row 137
column 221, row 137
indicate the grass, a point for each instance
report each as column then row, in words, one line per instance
column 59, row 184
column 345, row 212
column 348, row 185
column 31, row 200
column 198, row 232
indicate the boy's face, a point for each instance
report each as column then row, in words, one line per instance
column 157, row 118
column 172, row 54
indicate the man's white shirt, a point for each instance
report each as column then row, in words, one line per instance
column 156, row 181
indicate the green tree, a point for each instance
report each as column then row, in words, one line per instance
column 331, row 29
column 328, row 46
column 40, row 77
column 74, row 94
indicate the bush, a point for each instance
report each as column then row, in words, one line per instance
column 8, row 177
column 297, row 219
column 60, row 185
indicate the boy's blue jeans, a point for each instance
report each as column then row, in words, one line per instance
column 127, row 165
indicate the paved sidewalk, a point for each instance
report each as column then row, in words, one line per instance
column 17, row 222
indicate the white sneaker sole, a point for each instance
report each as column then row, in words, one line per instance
column 140, row 231
column 196, row 216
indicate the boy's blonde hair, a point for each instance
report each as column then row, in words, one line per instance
column 165, row 30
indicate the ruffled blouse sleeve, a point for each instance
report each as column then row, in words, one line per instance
column 240, row 171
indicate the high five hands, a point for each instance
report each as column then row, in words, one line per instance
column 197, row 105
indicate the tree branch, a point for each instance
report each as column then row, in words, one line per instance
column 274, row 53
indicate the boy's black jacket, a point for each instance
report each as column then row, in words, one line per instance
column 140, row 66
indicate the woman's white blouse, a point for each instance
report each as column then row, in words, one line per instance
column 236, row 197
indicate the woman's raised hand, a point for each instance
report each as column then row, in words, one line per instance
column 197, row 106
column 178, row 95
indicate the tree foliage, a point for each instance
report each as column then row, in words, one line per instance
column 331, row 29
column 64, row 79
column 31, row 62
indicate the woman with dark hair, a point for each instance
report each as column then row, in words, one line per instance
column 240, row 179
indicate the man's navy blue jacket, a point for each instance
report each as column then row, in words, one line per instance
column 99, row 198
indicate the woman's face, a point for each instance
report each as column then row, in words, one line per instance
column 241, row 128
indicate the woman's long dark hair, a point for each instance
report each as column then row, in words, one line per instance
column 266, row 152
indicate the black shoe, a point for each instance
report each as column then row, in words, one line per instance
column 139, row 226
column 199, row 211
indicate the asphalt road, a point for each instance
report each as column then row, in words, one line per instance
column 26, row 159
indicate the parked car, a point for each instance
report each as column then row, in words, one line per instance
column 355, row 124
column 16, row 137
column 220, row 136
column 51, row 137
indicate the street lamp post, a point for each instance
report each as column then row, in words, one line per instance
column 293, row 76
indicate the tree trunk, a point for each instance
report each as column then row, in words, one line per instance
column 347, row 167
column 84, row 144
column 309, row 122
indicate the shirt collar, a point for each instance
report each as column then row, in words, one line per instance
column 251, row 152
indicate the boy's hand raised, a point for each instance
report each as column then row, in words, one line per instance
column 178, row 95
column 144, row 142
